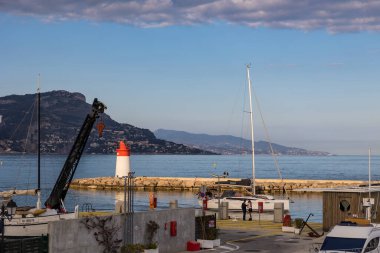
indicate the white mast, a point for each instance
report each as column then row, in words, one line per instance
column 38, row 204
column 252, row 134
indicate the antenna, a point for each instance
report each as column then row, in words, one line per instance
column 368, row 204
column 39, row 83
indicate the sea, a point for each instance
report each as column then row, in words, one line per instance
column 19, row 172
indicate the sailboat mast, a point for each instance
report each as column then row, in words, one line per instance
column 252, row 133
column 38, row 135
column 38, row 204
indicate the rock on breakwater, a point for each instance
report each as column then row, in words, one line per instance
column 193, row 184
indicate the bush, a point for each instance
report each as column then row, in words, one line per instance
column 298, row 222
column 152, row 245
column 212, row 233
column 151, row 228
column 132, row 248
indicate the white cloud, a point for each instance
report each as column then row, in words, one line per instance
column 334, row 16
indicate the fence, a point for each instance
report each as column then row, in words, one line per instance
column 27, row 245
column 205, row 227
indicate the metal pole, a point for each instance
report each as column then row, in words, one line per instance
column 125, row 209
column 2, row 235
column 225, row 174
column 130, row 208
column 39, row 138
column 369, row 173
column 3, row 228
column 219, row 197
column 369, row 211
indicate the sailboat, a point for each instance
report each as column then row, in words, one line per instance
column 28, row 222
column 234, row 202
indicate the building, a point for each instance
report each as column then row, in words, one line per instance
column 340, row 204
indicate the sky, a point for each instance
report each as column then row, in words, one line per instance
column 181, row 64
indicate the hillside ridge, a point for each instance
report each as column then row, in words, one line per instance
column 62, row 115
column 228, row 144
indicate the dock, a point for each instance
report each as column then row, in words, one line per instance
column 193, row 184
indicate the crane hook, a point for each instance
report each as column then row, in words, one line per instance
column 100, row 126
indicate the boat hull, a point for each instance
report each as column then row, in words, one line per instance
column 235, row 203
column 33, row 226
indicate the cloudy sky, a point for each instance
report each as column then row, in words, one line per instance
column 180, row 64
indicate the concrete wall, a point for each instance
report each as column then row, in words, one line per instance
column 185, row 219
column 71, row 236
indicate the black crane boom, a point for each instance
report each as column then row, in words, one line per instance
column 63, row 182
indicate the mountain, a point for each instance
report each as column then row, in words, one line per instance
column 227, row 144
column 62, row 115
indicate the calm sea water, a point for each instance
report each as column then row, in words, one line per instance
column 17, row 171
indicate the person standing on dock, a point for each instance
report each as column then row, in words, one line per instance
column 244, row 208
column 250, row 209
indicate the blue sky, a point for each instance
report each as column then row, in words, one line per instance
column 181, row 64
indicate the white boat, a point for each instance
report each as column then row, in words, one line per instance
column 234, row 202
column 352, row 238
column 30, row 221
column 34, row 225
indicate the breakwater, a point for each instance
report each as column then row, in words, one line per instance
column 194, row 184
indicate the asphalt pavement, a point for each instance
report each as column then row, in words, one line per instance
column 263, row 236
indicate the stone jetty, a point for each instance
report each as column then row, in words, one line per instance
column 193, row 184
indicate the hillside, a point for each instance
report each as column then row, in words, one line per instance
column 227, row 144
column 62, row 114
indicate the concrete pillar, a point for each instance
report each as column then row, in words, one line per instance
column 173, row 204
column 278, row 213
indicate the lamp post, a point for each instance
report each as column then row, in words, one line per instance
column 125, row 210
column 224, row 175
column 128, row 210
column 8, row 213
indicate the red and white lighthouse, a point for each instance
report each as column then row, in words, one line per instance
column 123, row 164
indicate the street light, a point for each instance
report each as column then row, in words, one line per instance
column 125, row 209
column 8, row 213
column 128, row 211
column 224, row 175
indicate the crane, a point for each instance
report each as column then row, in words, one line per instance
column 58, row 194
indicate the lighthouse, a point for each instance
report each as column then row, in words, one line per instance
column 122, row 160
